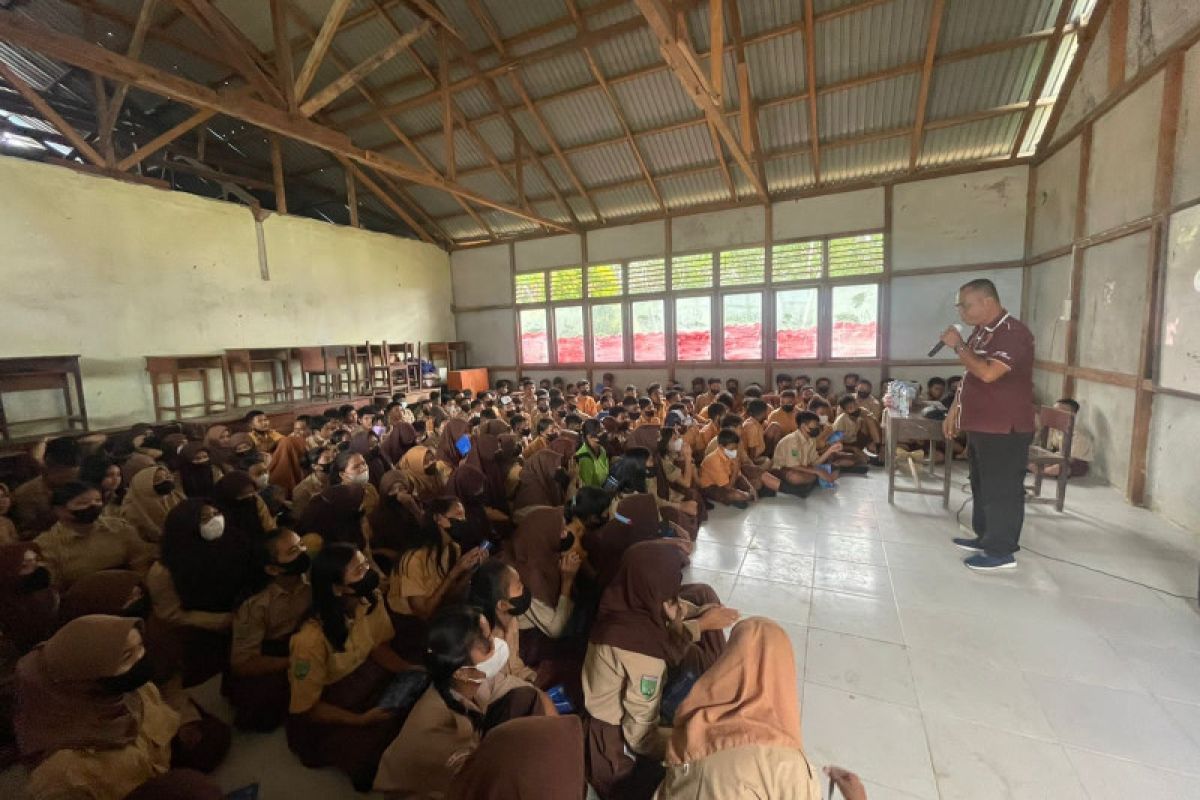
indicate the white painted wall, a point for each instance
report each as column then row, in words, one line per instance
column 481, row 276
column 923, row 305
column 1054, row 201
column 1120, row 184
column 115, row 272
column 816, row 216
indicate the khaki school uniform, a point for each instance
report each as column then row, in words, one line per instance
column 419, row 575
column 305, row 491
column 718, row 471
column 751, row 771
column 624, row 688
column 550, row 620
column 314, row 662
column 166, row 605
column 786, row 420
column 271, row 615
column 795, row 450
column 538, row 443
column 752, row 440
column 111, row 544
column 266, row 441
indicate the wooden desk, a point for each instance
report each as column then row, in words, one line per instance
column 267, row 359
column 327, row 370
column 35, row 373
column 195, row 367
column 474, row 379
column 904, row 429
column 453, row 353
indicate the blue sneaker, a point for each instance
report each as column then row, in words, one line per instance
column 972, row 545
column 982, row 562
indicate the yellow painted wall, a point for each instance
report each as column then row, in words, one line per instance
column 114, row 272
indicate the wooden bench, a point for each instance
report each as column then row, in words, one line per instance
column 40, row 373
column 275, row 360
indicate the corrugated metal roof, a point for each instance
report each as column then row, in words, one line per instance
column 776, row 67
column 693, row 189
column 552, row 75
column 625, row 201
column 490, row 185
column 875, row 106
column 579, row 118
column 435, row 202
column 1062, row 62
column 968, row 23
column 498, row 135
column 551, row 210
column 505, row 224
column 627, row 52
column 1037, row 126
column 530, row 129
column 989, row 81
column 677, row 149
column 602, row 165
column 365, row 40
column 462, row 228
column 583, row 211
column 854, row 162
column 474, row 102
column 876, row 38
column 35, row 69
column 464, row 22
column 512, row 18
column 786, row 173
column 783, row 126
column 764, row 15
column 654, row 100
column 972, row 141
column 466, row 154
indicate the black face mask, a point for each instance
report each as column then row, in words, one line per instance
column 566, row 543
column 458, row 530
column 789, row 408
column 166, row 487
column 137, row 676
column 562, row 478
column 297, row 566
column 35, row 581
column 519, row 605
column 87, row 515
column 366, row 586
column 863, row 393
column 813, row 432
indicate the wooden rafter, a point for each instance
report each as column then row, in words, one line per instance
column 163, row 139
column 85, row 55
column 50, row 115
column 210, row 20
column 810, row 70
column 361, row 70
column 447, row 104
column 1049, row 54
column 375, row 189
column 320, row 46
column 714, row 138
column 284, row 68
column 931, row 45
column 1085, row 39
column 679, row 55
column 747, row 105
column 351, row 196
column 277, row 175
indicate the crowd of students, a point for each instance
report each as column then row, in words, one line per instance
column 461, row 597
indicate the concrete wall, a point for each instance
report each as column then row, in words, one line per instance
column 114, row 272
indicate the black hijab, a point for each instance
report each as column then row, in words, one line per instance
column 208, row 576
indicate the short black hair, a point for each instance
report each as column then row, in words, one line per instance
column 69, row 491
column 1067, row 401
column 731, row 421
column 847, row 400
column 983, row 286
column 935, row 381
column 728, row 436
column 756, row 407
column 62, row 451
column 717, row 410
column 805, row 417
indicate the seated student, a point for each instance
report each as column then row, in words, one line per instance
column 646, row 638
column 338, row 515
column 647, row 414
column 796, row 457
column 737, row 733
column 217, row 440
column 584, row 400
column 591, row 455
column 721, row 477
column 320, row 461
column 29, row 607
column 257, row 685
column 709, row 397
column 351, row 468
column 498, row 768
column 32, row 509
column 669, row 463
column 103, row 472
column 83, row 542
column 341, row 665
column 205, row 570
column 261, row 432
column 823, row 387
column 867, row 401
column 709, row 430
column 753, row 433
column 497, row 590
column 785, row 415
column 236, row 496
column 471, row 693
column 91, row 723
column 152, row 494
column 546, row 431
column 423, row 475
column 784, row 383
column 195, row 473
column 543, row 553
column 763, row 483
column 861, row 432
column 394, row 520
column 286, row 470
column 323, row 431
column 850, row 383
column 1082, row 448
column 8, row 530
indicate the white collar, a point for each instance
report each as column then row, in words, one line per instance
column 992, row 329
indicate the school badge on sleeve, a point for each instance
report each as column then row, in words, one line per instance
column 649, row 686
column 300, row 670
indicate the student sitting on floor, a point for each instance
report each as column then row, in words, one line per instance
column 860, row 431
column 1082, row 448
column 721, row 477
column 797, row 459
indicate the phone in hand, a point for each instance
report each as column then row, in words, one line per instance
column 486, row 546
column 836, row 436
column 463, row 445
column 624, row 520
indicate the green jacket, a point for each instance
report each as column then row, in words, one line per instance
column 593, row 467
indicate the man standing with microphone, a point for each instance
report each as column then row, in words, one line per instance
column 994, row 406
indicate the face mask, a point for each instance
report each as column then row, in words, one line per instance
column 519, row 605
column 458, row 530
column 676, row 445
column 855, row 413
column 566, row 543
column 366, row 585
column 824, row 419
column 34, row 582
column 262, row 481
column 87, row 515
column 813, row 432
column 164, row 488
column 297, row 566
column 789, row 408
column 213, row 529
column 863, row 393
column 496, row 661
column 359, row 477
column 137, row 676
column 731, row 453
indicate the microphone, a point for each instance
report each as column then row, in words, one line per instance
column 937, row 348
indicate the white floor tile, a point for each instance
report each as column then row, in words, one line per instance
column 883, row 742
column 977, row 762
column 798, row 634
column 1139, row 625
column 718, row 557
column 1069, row 652
column 859, row 666
column 779, row 567
column 1187, row 715
column 1165, row 671
column 1107, row 778
column 721, row 582
column 801, row 541
column 1123, row 724
column 848, row 548
column 844, row 576
column 779, row 601
column 860, row 616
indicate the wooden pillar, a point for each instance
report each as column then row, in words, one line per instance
column 885, row 292
column 1077, row 251
column 352, row 198
column 277, row 175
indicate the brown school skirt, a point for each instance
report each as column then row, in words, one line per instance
column 613, row 774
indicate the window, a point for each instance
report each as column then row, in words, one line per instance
column 535, row 343
column 566, row 284
column 856, row 255
column 799, row 261
column 608, row 334
column 648, row 276
column 649, row 330
column 604, row 280
column 741, row 326
column 531, row 287
column 693, row 328
column 796, row 324
column 742, row 267
column 855, row 321
column 568, row 334
column 692, row 272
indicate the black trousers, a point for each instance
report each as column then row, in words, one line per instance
column 998, row 462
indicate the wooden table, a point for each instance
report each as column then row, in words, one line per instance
column 276, row 360
column 37, row 373
column 453, row 353
column 474, row 379
column 904, row 429
column 195, row 367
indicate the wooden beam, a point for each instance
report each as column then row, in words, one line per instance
column 747, row 105
column 277, row 175
column 227, row 37
column 163, row 139
column 1085, row 38
column 384, row 198
column 283, row 54
column 351, row 196
column 1118, row 33
column 680, row 57
column 716, row 49
column 1049, row 54
column 931, row 44
column 810, row 70
column 447, row 103
column 320, row 46
column 76, row 52
column 360, row 71
column 1079, row 230
column 48, row 113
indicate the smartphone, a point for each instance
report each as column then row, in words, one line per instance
column 622, row 518
column 463, row 444
column 486, row 546
column 836, row 436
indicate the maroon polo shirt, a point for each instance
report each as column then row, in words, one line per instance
column 1006, row 404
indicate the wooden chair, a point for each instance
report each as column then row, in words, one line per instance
column 379, row 377
column 405, row 365
column 328, row 371
column 1041, row 456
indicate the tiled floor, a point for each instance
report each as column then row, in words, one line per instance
column 930, row 681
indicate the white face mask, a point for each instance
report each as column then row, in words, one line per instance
column 676, row 445
column 824, row 419
column 731, row 453
column 494, row 663
column 213, row 529
column 262, row 481
column 360, row 477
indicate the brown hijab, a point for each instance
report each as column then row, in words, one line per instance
column 133, row 465
column 494, row 427
column 631, row 615
column 401, row 438
column 392, row 523
column 195, row 480
column 499, row 767
column 105, row 592
column 26, row 618
column 533, row 551
column 220, row 455
column 607, row 544
column 537, row 485
column 468, row 484
column 747, row 697
column 648, row 437
column 286, row 470
column 59, row 704
column 412, row 466
column 336, row 514
column 447, row 451
column 145, row 508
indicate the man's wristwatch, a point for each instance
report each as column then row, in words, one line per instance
column 958, row 348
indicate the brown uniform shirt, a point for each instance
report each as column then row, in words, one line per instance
column 795, row 450
column 112, row 544
column 1006, row 404
column 314, row 662
column 717, row 469
column 274, row 613
column 166, row 605
column 31, row 509
column 752, row 770
column 786, row 420
column 752, row 439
